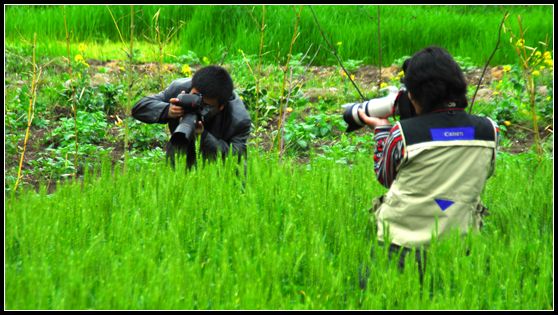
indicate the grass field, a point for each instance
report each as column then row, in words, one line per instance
column 467, row 31
column 286, row 236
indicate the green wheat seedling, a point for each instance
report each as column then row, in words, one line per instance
column 283, row 236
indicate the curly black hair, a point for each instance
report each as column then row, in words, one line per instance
column 214, row 82
column 434, row 79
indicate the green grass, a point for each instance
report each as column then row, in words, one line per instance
column 467, row 31
column 288, row 236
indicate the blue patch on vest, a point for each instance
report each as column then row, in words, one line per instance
column 449, row 134
column 444, row 204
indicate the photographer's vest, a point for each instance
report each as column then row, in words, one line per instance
column 447, row 160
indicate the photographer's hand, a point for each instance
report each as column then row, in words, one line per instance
column 175, row 111
column 372, row 122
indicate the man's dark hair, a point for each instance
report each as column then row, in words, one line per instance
column 435, row 79
column 213, row 82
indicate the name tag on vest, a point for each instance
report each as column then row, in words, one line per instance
column 449, row 134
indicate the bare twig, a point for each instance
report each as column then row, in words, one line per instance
column 285, row 70
column 30, row 112
column 488, row 61
column 162, row 41
column 160, row 44
column 259, row 68
column 130, row 83
column 74, row 105
column 282, row 130
column 116, row 24
column 335, row 53
column 299, row 81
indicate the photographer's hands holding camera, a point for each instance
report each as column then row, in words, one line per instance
column 372, row 122
column 177, row 112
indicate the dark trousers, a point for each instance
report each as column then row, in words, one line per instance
column 400, row 253
column 188, row 148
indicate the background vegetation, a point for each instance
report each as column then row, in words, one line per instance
column 214, row 31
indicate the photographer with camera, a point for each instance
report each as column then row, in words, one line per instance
column 435, row 162
column 205, row 105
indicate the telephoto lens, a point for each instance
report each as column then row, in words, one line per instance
column 381, row 107
column 184, row 132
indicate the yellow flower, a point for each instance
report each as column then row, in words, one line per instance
column 536, row 73
column 537, row 54
column 289, row 109
column 383, row 85
column 82, row 47
column 352, row 77
column 78, row 58
column 542, row 68
column 547, row 55
column 506, row 68
column 186, row 70
column 400, row 74
column 549, row 62
column 343, row 74
column 495, row 93
column 520, row 42
column 507, row 123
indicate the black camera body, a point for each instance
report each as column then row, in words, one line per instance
column 191, row 103
column 194, row 110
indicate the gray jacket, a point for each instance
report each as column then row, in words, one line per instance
column 230, row 127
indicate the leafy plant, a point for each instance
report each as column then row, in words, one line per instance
column 146, row 136
column 352, row 65
column 299, row 135
column 465, row 63
column 112, row 95
column 189, row 58
column 92, row 128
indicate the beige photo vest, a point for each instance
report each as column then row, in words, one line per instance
column 437, row 189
